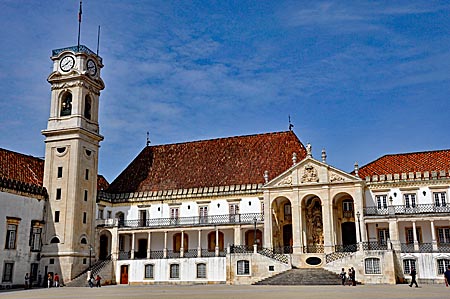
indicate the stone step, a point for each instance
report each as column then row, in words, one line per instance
column 316, row 276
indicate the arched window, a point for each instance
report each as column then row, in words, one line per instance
column 66, row 104
column 87, row 107
column 372, row 266
column 212, row 241
column 83, row 240
column 54, row 240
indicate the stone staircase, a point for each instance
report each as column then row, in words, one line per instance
column 314, row 276
column 102, row 268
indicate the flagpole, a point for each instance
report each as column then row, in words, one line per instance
column 79, row 25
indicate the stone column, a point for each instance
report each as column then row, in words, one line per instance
column 199, row 246
column 149, row 243
column 237, row 235
column 165, row 245
column 132, row 245
column 182, row 244
column 268, row 242
column 217, row 242
column 296, row 233
column 327, row 224
column 393, row 234
column 433, row 236
column 114, row 243
column 416, row 241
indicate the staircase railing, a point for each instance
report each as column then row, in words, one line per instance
column 96, row 267
column 275, row 256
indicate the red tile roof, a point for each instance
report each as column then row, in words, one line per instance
column 207, row 163
column 409, row 162
column 16, row 167
column 21, row 168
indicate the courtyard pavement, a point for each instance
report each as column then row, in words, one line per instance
column 236, row 292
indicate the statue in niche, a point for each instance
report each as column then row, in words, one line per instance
column 315, row 226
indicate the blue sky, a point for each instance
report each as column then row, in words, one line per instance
column 359, row 78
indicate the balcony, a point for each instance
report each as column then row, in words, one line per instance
column 250, row 218
column 407, row 210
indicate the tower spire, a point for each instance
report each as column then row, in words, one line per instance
column 79, row 24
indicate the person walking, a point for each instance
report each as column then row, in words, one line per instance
column 447, row 276
column 350, row 277
column 56, row 280
column 342, row 276
column 413, row 278
column 353, row 277
column 98, row 281
column 27, row 281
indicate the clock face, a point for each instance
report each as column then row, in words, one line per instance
column 91, row 67
column 67, row 63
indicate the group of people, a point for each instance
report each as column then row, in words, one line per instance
column 348, row 278
column 97, row 281
column 53, row 281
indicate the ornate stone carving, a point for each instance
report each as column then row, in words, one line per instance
column 336, row 178
column 309, row 174
column 314, row 220
column 287, row 181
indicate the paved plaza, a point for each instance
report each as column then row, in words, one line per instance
column 238, row 292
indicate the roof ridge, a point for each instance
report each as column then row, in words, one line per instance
column 21, row 154
column 222, row 138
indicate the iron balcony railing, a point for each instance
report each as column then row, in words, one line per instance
column 407, row 209
column 375, row 245
column 170, row 254
column 346, row 248
column 424, row 247
column 249, row 218
column 313, row 249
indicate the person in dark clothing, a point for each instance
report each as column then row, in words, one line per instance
column 353, row 277
column 342, row 275
column 413, row 278
column 447, row 276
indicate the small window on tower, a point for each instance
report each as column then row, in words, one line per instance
column 66, row 104
column 56, row 216
column 84, row 217
column 86, row 175
column 85, row 195
column 60, row 170
column 58, row 194
column 87, row 107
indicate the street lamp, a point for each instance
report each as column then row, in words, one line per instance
column 358, row 215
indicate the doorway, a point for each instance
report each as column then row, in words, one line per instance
column 348, row 233
column 103, row 247
column 287, row 238
column 124, row 274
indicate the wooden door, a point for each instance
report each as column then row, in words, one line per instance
column 124, row 274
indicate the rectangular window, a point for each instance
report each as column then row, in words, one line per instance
column 408, row 265
column 86, row 174
column 11, row 235
column 174, row 214
column 262, row 207
column 8, row 272
column 383, row 236
column 60, row 170
column 109, row 213
column 243, row 267
column 234, row 212
column 149, row 271
column 34, row 271
column 410, row 235
column 100, row 214
column 443, row 235
column 381, row 201
column 287, row 211
column 84, row 217
column 35, row 241
column 201, row 270
column 58, row 193
column 439, row 199
column 56, row 216
column 143, row 218
column 442, row 266
column 372, row 266
column 410, row 200
column 203, row 212
column 174, row 271
column 85, row 195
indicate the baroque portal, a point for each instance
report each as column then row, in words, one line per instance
column 314, row 224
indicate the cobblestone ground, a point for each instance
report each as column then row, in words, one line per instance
column 238, row 292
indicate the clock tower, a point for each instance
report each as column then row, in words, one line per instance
column 72, row 140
